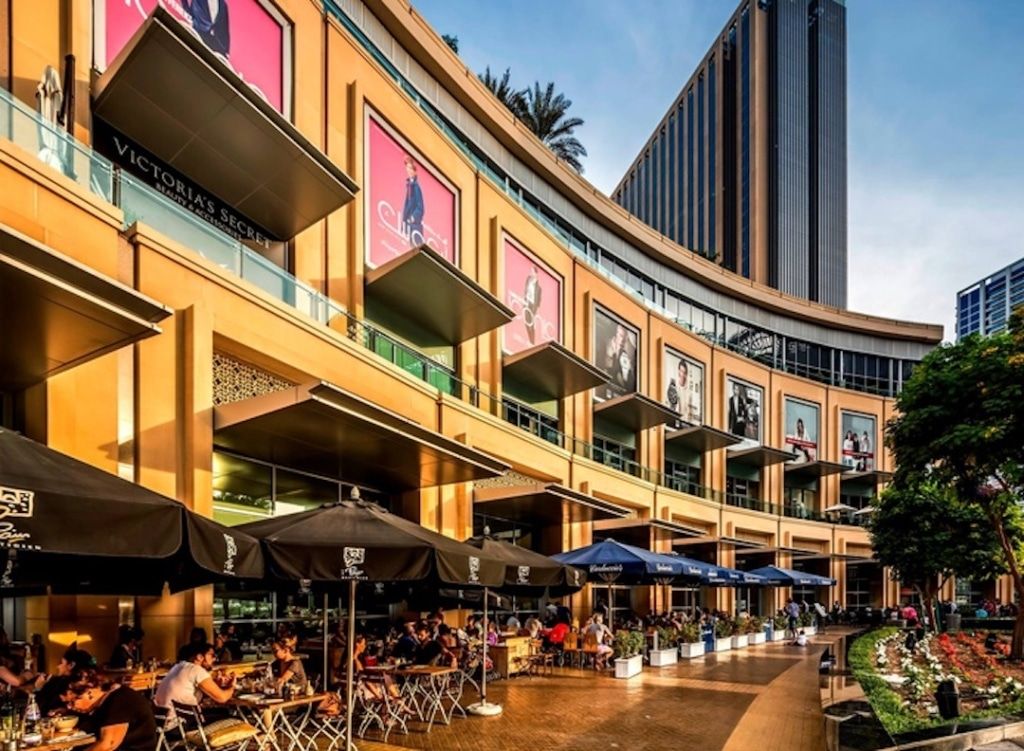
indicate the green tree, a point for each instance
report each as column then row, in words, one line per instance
column 502, row 89
column 961, row 421
column 546, row 114
column 923, row 532
column 452, row 41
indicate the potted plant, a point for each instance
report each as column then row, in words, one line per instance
column 739, row 633
column 779, row 626
column 755, row 630
column 628, row 646
column 806, row 624
column 723, row 634
column 690, row 643
column 666, row 652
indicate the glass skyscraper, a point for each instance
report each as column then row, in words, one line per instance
column 748, row 166
column 985, row 306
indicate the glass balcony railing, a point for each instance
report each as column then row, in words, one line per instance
column 532, row 421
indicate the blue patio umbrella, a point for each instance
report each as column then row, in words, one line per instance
column 784, row 577
column 614, row 561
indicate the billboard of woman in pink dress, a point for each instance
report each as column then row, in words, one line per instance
column 251, row 35
column 408, row 203
column 534, row 292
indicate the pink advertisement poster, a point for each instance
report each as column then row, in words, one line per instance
column 534, row 292
column 246, row 33
column 409, row 205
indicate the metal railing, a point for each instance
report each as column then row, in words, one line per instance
column 533, row 421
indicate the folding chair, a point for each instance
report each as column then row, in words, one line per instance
column 231, row 734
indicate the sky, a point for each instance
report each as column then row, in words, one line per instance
column 935, row 119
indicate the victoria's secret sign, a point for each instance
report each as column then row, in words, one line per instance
column 142, row 164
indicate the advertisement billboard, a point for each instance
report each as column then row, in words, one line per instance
column 683, row 384
column 534, row 292
column 251, row 35
column 857, row 439
column 744, row 410
column 802, row 429
column 616, row 353
column 408, row 203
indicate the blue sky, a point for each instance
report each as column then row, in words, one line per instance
column 936, row 118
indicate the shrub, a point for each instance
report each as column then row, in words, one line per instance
column 628, row 643
column 806, row 619
column 781, row 621
column 689, row 633
column 724, row 628
column 755, row 625
column 667, row 638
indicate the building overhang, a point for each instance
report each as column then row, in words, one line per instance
column 441, row 299
column 56, row 313
column 701, row 438
column 323, row 429
column 873, row 477
column 552, row 370
column 760, row 456
column 170, row 93
column 815, row 470
column 643, row 533
column 634, row 411
column 547, row 503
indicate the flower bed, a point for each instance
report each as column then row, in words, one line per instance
column 901, row 683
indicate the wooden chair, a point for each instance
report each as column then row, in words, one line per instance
column 589, row 651
column 571, row 650
column 540, row 661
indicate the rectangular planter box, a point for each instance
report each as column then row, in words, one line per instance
column 779, row 634
column 739, row 641
column 723, row 645
column 810, row 630
column 662, row 657
column 759, row 638
column 628, row 667
column 689, row 651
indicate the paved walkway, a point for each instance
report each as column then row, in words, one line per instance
column 764, row 697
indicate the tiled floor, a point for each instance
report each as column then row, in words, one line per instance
column 764, row 698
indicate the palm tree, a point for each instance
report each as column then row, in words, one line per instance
column 545, row 114
column 501, row 88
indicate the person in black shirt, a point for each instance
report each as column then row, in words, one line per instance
column 50, row 694
column 121, row 718
column 429, row 651
column 129, row 647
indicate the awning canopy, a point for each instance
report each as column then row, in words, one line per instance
column 552, row 370
column 324, row 429
column 634, row 411
column 814, row 470
column 443, row 301
column 643, row 532
column 701, row 438
column 56, row 313
column 545, row 503
column 170, row 93
column 760, row 456
column 873, row 477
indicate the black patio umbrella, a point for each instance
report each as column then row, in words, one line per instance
column 526, row 573
column 72, row 527
column 352, row 541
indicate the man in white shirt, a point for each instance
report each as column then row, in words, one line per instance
column 189, row 679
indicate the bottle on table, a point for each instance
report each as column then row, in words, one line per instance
column 7, row 716
column 32, row 715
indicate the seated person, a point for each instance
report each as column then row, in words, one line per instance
column 51, row 689
column 601, row 633
column 221, row 650
column 121, row 717
column 555, row 636
column 286, row 666
column 196, row 637
column 128, row 649
column 801, row 639
column 189, row 680
column 231, row 647
column 533, row 627
column 429, row 651
column 405, row 647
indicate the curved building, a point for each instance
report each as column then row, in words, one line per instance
column 375, row 276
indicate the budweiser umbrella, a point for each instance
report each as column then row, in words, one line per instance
column 75, row 528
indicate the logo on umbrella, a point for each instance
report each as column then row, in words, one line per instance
column 524, row 575
column 474, row 570
column 575, row 577
column 14, row 502
column 229, row 556
column 352, row 559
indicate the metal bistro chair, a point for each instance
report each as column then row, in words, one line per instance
column 540, row 662
column 231, row 734
column 377, row 707
column 167, row 739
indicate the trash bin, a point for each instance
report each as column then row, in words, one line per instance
column 948, row 699
column 953, row 623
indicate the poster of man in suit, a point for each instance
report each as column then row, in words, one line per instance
column 743, row 410
column 534, row 292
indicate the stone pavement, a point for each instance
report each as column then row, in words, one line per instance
column 764, row 697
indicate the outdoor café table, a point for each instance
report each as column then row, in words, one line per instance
column 426, row 687
column 270, row 716
column 64, row 742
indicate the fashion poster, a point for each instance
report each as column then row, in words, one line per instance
column 616, row 348
column 409, row 205
column 744, row 410
column 534, row 293
column 858, row 441
column 252, row 36
column 802, row 430
column 683, row 380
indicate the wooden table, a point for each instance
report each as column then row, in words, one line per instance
column 268, row 715
column 64, row 742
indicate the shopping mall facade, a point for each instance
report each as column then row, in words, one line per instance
column 359, row 269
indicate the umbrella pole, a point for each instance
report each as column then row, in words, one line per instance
column 483, row 708
column 327, row 681
column 349, row 677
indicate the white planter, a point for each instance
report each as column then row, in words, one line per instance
column 759, row 637
column 723, row 645
column 689, row 651
column 779, row 634
column 739, row 641
column 629, row 666
column 810, row 630
column 663, row 657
